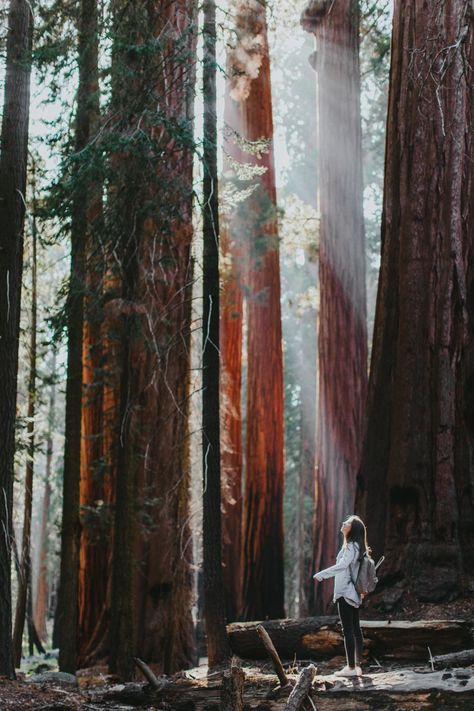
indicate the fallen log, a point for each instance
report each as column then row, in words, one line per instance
column 455, row 659
column 401, row 690
column 302, row 689
column 320, row 637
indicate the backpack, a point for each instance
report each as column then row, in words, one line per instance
column 367, row 575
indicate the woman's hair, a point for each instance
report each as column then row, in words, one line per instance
column 357, row 534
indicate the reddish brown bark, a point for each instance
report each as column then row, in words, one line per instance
column 96, row 486
column 231, row 432
column 415, row 484
column 263, row 520
column 96, row 489
column 231, row 328
column 342, row 336
column 85, row 200
column 152, row 536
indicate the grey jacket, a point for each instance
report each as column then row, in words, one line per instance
column 346, row 566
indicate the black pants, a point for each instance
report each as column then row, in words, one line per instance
column 353, row 640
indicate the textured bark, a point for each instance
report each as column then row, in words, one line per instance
column 13, row 159
column 96, row 486
column 415, row 485
column 263, row 519
column 321, row 637
column 156, row 230
column 299, row 695
column 231, row 321
column 86, row 123
column 233, row 680
column 218, row 650
column 24, row 577
column 342, row 336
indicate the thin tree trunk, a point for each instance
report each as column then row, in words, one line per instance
column 13, row 160
column 41, row 601
column 218, row 649
column 24, row 578
column 306, row 482
column 415, row 485
column 342, row 337
column 263, row 583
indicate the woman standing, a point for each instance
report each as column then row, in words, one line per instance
column 348, row 599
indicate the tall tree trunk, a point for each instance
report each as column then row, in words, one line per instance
column 342, row 335
column 218, row 649
column 24, row 578
column 157, row 279
column 13, row 160
column 95, row 487
column 415, row 486
column 41, row 598
column 86, row 119
column 307, row 463
column 263, row 583
column 230, row 345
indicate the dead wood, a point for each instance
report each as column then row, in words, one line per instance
column 399, row 690
column 149, row 675
column 455, row 659
column 320, row 638
column 270, row 648
column 135, row 694
column 302, row 689
column 233, row 687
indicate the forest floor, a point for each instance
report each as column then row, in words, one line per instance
column 94, row 689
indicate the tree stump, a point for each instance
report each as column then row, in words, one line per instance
column 233, row 687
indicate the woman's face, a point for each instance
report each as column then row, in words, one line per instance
column 346, row 527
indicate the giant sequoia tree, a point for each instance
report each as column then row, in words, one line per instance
column 262, row 533
column 150, row 221
column 13, row 159
column 86, row 117
column 342, row 336
column 415, row 486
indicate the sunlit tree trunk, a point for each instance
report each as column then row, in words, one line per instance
column 95, row 488
column 152, row 546
column 86, row 123
column 24, row 577
column 415, row 486
column 342, row 333
column 230, row 343
column 263, row 584
column 13, row 160
column 40, row 607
